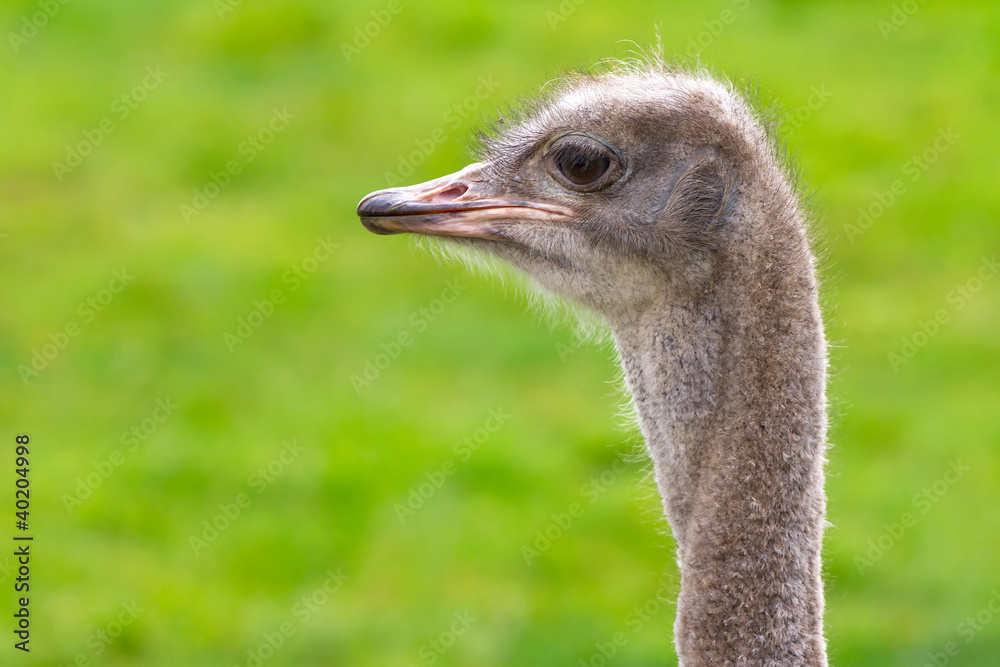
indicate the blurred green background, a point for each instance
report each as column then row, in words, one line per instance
column 386, row 524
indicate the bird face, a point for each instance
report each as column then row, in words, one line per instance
column 615, row 181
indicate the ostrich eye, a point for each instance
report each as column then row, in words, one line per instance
column 581, row 168
column 583, row 163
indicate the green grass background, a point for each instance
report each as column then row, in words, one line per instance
column 894, row 431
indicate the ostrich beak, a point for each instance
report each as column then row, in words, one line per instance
column 453, row 205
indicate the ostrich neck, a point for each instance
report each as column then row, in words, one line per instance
column 729, row 390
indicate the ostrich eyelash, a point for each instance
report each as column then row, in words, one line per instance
column 578, row 149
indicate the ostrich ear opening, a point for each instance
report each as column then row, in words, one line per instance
column 695, row 199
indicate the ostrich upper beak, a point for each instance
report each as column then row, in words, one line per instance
column 453, row 205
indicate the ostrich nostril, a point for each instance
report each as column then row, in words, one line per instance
column 451, row 194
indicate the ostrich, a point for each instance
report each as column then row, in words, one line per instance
column 653, row 196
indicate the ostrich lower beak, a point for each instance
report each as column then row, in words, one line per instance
column 453, row 205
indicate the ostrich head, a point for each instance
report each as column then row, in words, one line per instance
column 611, row 188
column 655, row 198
